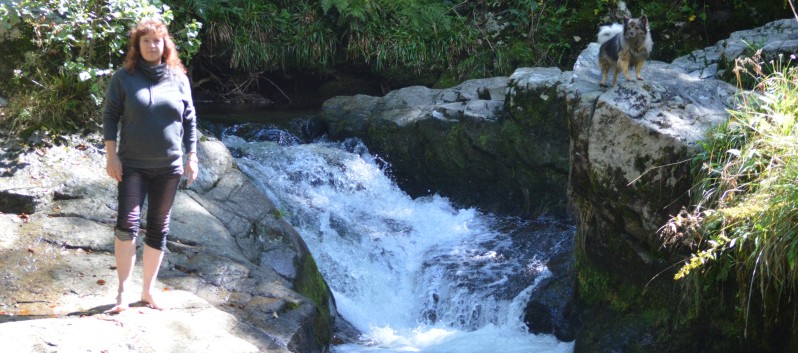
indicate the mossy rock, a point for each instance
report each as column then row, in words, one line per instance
column 310, row 283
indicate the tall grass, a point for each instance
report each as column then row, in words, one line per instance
column 61, row 106
column 744, row 224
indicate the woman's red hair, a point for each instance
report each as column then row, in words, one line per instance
column 170, row 57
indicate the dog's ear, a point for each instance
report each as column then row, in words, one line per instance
column 626, row 19
column 644, row 20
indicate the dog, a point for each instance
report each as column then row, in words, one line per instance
column 623, row 46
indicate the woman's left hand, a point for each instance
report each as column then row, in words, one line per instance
column 191, row 168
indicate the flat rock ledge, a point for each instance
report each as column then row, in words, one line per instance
column 237, row 277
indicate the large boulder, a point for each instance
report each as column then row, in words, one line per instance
column 631, row 170
column 238, row 277
column 466, row 142
column 631, row 150
column 629, row 154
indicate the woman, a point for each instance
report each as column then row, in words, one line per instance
column 148, row 104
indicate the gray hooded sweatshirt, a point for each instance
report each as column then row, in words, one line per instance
column 153, row 112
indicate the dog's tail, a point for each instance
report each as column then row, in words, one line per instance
column 608, row 32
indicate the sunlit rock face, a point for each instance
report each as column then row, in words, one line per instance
column 631, row 146
column 237, row 277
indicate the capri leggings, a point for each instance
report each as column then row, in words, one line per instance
column 159, row 187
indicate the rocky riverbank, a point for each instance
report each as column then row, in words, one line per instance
column 240, row 278
column 237, row 278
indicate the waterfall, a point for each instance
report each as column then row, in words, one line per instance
column 413, row 275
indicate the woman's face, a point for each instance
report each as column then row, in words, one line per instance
column 151, row 46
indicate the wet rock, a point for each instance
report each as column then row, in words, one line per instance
column 462, row 143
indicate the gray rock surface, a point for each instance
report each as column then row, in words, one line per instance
column 226, row 287
column 631, row 141
column 463, row 142
column 778, row 37
column 353, row 115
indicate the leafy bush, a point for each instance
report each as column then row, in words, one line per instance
column 744, row 225
column 59, row 83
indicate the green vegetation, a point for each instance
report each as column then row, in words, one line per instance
column 63, row 51
column 430, row 42
column 743, row 229
column 393, row 39
column 67, row 51
column 311, row 284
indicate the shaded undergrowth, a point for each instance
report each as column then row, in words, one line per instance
column 742, row 229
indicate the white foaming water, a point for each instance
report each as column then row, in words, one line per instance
column 413, row 275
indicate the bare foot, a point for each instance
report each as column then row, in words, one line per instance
column 151, row 302
column 121, row 304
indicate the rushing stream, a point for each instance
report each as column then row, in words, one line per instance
column 413, row 275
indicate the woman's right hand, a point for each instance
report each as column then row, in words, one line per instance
column 113, row 166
